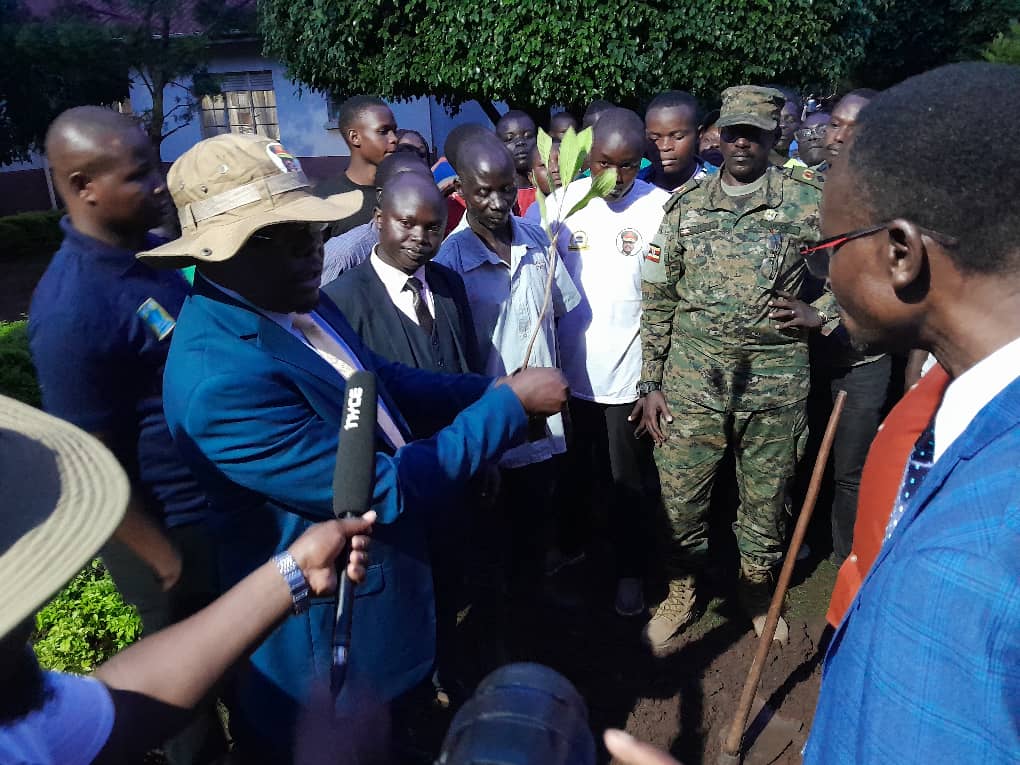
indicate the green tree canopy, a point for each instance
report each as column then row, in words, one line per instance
column 50, row 66
column 561, row 51
column 1005, row 48
column 910, row 37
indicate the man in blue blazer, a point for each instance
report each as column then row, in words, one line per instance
column 253, row 393
column 924, row 253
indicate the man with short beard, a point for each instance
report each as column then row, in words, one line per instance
column 725, row 352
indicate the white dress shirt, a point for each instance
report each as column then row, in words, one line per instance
column 395, row 282
column 972, row 391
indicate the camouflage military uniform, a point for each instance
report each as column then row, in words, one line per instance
column 728, row 375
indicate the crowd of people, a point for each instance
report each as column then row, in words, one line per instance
column 738, row 260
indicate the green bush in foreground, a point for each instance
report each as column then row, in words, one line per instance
column 85, row 624
column 17, row 373
column 30, row 234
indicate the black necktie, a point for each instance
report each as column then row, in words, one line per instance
column 421, row 308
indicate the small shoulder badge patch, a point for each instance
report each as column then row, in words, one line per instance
column 654, row 253
column 156, row 318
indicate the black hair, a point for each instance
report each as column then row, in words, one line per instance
column 396, row 163
column 595, row 110
column 788, row 93
column 458, row 137
column 623, row 122
column 563, row 115
column 407, row 131
column 675, row 99
column 910, row 155
column 514, row 114
column 708, row 120
column 353, row 108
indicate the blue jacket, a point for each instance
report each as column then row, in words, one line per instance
column 925, row 666
column 256, row 414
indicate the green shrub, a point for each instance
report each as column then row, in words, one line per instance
column 30, row 234
column 85, row 624
column 17, row 373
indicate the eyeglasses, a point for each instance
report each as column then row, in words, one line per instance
column 811, row 133
column 817, row 256
column 280, row 230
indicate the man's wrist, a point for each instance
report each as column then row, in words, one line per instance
column 647, row 386
column 295, row 578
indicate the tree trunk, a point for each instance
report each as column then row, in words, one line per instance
column 490, row 110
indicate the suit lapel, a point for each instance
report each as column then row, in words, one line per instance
column 446, row 308
column 396, row 336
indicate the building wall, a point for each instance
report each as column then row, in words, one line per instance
column 302, row 115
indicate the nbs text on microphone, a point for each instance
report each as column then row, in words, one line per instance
column 353, row 481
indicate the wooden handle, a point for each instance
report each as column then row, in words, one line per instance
column 736, row 733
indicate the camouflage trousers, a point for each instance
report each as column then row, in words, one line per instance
column 767, row 445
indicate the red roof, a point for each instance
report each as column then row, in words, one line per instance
column 185, row 20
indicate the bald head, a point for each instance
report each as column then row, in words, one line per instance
column 457, row 138
column 412, row 219
column 488, row 182
column 107, row 173
column 85, row 136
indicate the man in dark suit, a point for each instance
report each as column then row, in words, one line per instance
column 405, row 307
column 253, row 394
column 408, row 309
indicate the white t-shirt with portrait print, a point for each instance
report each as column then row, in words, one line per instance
column 602, row 247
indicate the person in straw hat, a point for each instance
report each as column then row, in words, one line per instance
column 253, row 394
column 64, row 496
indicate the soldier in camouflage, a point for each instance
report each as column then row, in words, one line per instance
column 725, row 356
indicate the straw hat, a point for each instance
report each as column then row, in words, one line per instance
column 228, row 187
column 63, row 494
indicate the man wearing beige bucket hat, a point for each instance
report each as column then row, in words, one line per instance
column 253, row 393
column 64, row 496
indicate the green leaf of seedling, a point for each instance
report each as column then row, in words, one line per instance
column 584, row 141
column 601, row 185
column 544, row 141
column 571, row 157
column 540, row 198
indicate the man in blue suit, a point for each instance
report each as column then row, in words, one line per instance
column 925, row 253
column 253, row 393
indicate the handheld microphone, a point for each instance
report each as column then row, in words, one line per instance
column 353, row 480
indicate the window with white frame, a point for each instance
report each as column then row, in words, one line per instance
column 246, row 104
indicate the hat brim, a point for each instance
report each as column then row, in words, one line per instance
column 753, row 120
column 64, row 495
column 226, row 234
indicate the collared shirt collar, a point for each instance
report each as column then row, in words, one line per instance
column 770, row 195
column 972, row 391
column 393, row 279
column 477, row 254
column 101, row 251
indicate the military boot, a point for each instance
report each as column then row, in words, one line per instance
column 672, row 615
column 754, row 593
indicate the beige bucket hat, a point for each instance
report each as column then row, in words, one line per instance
column 228, row 187
column 63, row 495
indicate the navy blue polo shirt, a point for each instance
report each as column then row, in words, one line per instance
column 99, row 327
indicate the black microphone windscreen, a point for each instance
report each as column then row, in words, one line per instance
column 354, row 475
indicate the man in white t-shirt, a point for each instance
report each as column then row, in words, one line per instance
column 602, row 247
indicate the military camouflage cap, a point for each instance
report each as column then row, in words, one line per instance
column 751, row 105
